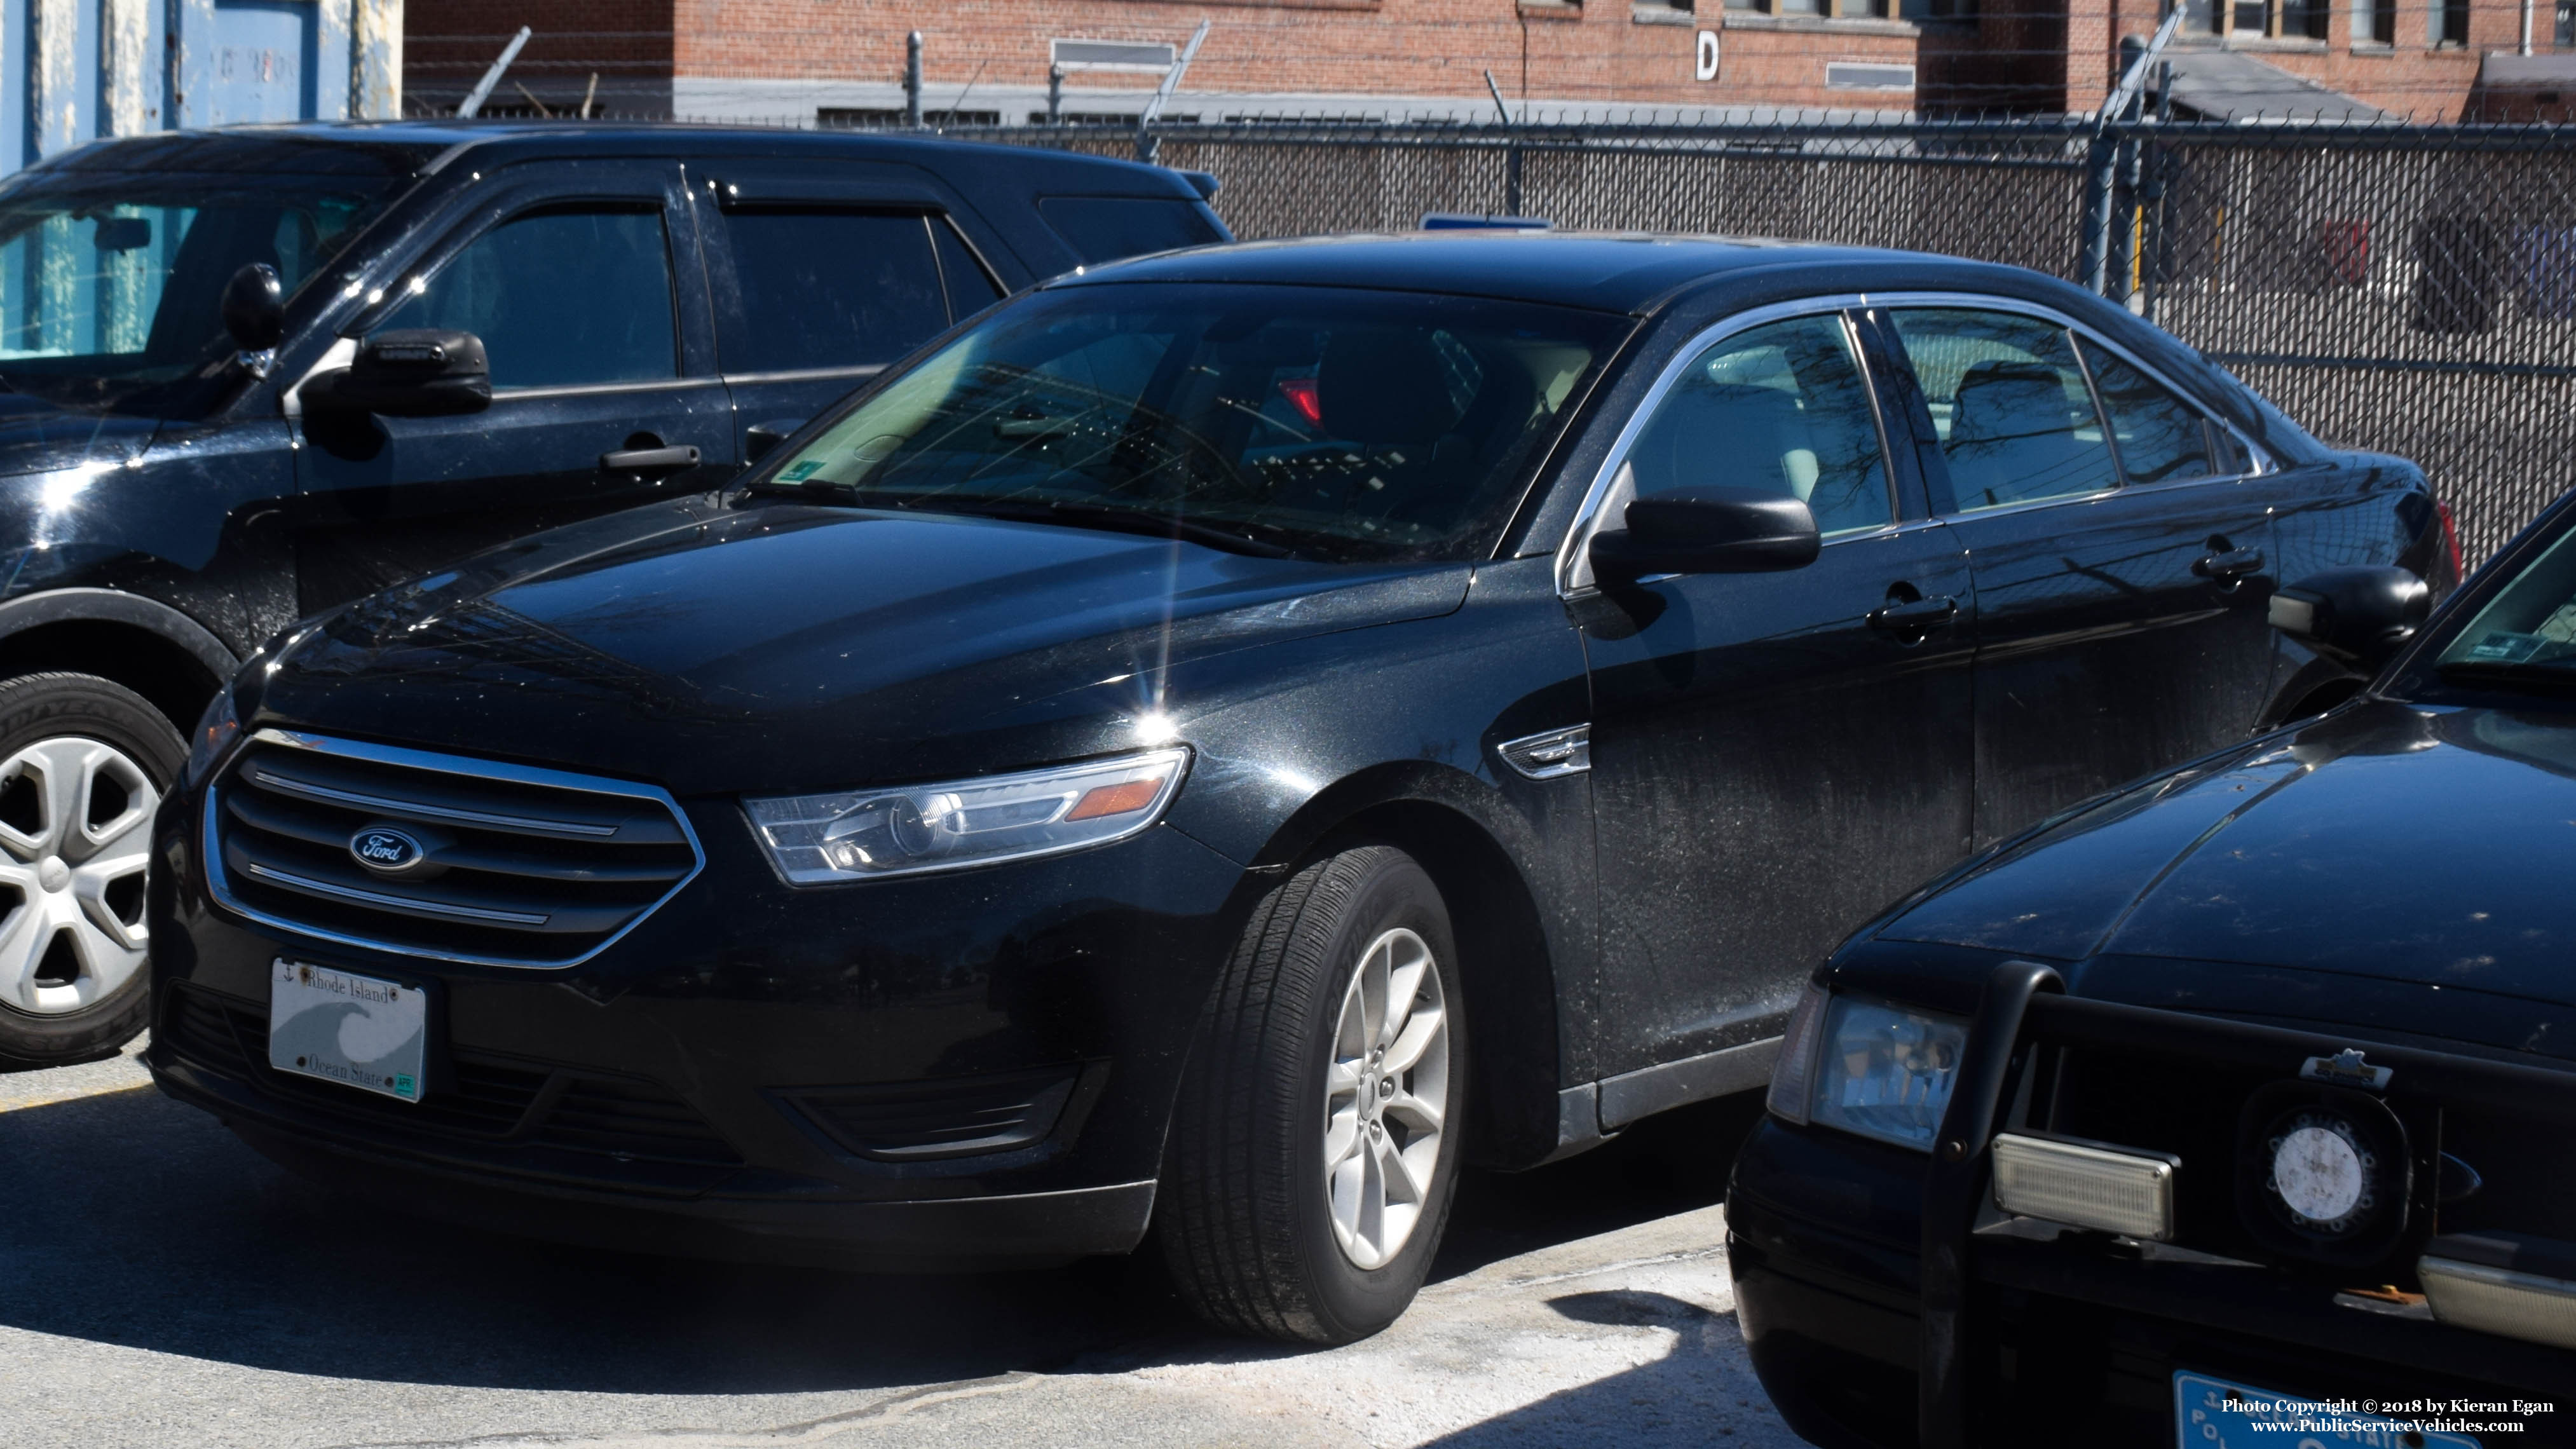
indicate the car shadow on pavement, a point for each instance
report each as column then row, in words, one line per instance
column 129, row 1219
column 1698, row 1394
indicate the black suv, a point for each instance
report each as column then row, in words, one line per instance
column 1217, row 738
column 249, row 374
column 2233, row 1108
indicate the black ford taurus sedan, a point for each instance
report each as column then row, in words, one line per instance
column 1218, row 740
column 2233, row 1108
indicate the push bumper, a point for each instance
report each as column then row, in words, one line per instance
column 2023, row 1332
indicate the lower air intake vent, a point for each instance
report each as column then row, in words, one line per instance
column 952, row 1117
column 440, row 855
column 485, row 1100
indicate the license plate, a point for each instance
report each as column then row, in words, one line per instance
column 354, row 1030
column 2215, row 1414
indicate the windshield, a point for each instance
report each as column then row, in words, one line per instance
column 2525, row 633
column 111, row 282
column 1317, row 422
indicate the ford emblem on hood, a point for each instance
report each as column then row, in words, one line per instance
column 385, row 850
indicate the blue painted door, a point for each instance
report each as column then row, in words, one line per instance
column 260, row 62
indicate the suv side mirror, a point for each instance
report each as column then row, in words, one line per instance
column 2357, row 616
column 1707, row 531
column 254, row 306
column 410, row 372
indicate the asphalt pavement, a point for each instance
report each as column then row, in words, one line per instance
column 162, row 1285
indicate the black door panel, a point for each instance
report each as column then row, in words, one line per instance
column 1770, row 767
column 593, row 312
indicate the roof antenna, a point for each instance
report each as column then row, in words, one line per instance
column 483, row 88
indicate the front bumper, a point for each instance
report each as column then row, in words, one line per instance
column 753, row 1071
column 2041, row 1335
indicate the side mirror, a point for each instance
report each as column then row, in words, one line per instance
column 410, row 372
column 254, row 306
column 762, row 439
column 2357, row 616
column 1707, row 531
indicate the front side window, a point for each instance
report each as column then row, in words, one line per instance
column 826, row 288
column 1322, row 423
column 561, row 298
column 2015, row 417
column 110, row 283
column 1782, row 408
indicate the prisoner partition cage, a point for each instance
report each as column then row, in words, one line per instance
column 2404, row 288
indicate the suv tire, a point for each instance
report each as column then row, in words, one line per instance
column 1314, row 1148
column 83, row 763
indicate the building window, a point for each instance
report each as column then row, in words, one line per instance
column 2450, row 24
column 2374, row 22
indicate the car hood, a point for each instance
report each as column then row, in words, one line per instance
column 2394, row 842
column 715, row 647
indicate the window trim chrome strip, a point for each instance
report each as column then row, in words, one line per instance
column 210, row 846
column 1579, row 532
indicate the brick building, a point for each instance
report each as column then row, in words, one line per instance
column 808, row 62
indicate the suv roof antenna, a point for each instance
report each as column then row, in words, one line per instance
column 483, row 88
column 1146, row 146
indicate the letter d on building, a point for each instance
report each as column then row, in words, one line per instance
column 1706, row 66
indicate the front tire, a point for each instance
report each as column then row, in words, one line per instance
column 83, row 764
column 1314, row 1148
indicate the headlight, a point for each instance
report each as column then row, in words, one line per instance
column 216, row 730
column 1885, row 1071
column 865, row 834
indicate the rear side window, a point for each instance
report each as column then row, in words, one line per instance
column 836, row 288
column 2015, row 416
column 2161, row 438
column 1105, row 228
column 561, row 298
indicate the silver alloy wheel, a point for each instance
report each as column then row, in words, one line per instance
column 75, row 831
column 1386, row 1097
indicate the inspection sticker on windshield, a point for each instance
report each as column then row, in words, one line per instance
column 354, row 1030
column 2214, row 1414
column 2502, row 646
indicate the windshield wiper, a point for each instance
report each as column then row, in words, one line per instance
column 2555, row 677
column 1231, row 536
column 1106, row 516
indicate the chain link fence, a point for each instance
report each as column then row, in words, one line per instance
column 2398, row 288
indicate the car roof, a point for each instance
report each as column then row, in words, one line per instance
column 1608, row 271
column 405, row 148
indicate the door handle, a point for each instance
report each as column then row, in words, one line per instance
column 649, row 460
column 2229, row 566
column 1915, row 618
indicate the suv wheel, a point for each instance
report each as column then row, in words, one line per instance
column 1314, row 1147
column 83, row 763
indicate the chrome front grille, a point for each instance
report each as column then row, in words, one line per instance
column 472, row 860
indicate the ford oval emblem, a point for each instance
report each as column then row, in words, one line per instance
column 385, row 850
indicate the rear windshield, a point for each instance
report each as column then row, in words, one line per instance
column 1105, row 228
column 1323, row 423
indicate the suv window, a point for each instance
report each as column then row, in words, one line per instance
column 561, row 297
column 1105, row 228
column 839, row 288
column 2016, row 420
column 2161, row 438
column 1779, row 409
